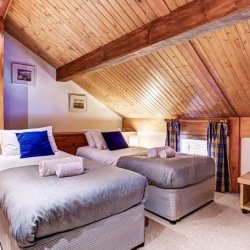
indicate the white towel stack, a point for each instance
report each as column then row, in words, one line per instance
column 162, row 152
column 49, row 167
column 154, row 152
column 167, row 153
column 69, row 169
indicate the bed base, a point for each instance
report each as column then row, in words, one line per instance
column 174, row 204
column 122, row 231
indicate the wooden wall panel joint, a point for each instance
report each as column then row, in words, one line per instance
column 201, row 69
column 234, row 152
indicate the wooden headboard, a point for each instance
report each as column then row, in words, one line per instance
column 69, row 142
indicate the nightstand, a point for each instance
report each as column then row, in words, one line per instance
column 244, row 181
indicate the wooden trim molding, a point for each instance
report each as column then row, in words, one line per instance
column 70, row 142
column 185, row 23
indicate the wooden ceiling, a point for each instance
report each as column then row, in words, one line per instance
column 62, row 30
column 206, row 77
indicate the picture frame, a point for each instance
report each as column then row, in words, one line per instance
column 77, row 103
column 23, row 74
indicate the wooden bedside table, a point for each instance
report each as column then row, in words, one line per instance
column 244, row 181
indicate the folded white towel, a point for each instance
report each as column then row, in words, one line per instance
column 69, row 169
column 48, row 167
column 167, row 153
column 154, row 152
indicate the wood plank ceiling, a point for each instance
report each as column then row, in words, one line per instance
column 173, row 82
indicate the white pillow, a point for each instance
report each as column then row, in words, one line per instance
column 99, row 140
column 10, row 145
column 90, row 139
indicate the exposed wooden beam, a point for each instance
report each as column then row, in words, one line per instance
column 1, row 73
column 201, row 70
column 185, row 23
column 4, row 8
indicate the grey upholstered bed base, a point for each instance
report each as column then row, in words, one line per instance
column 122, row 231
column 174, row 204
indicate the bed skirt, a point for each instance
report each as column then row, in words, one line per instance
column 122, row 231
column 173, row 204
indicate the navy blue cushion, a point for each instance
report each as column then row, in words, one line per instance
column 114, row 140
column 34, row 144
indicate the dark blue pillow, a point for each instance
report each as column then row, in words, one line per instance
column 34, row 144
column 114, row 140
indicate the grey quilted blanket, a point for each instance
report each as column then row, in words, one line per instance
column 40, row 206
column 176, row 172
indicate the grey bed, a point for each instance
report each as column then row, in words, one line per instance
column 177, row 186
column 101, row 209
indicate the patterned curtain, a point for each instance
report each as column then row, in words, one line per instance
column 217, row 148
column 173, row 135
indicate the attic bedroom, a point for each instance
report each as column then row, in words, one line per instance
column 125, row 124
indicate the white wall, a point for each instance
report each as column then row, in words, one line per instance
column 47, row 103
column 16, row 96
column 151, row 139
column 245, row 155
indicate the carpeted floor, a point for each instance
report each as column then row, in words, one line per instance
column 218, row 226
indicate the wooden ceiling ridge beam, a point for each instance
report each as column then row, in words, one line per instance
column 183, row 24
column 199, row 66
column 4, row 8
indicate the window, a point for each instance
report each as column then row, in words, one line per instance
column 194, row 146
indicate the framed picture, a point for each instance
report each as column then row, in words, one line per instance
column 77, row 103
column 23, row 74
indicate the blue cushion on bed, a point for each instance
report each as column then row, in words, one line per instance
column 114, row 140
column 34, row 144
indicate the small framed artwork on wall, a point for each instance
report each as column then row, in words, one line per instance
column 77, row 103
column 23, row 74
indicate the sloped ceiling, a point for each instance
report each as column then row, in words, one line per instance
column 62, row 30
column 206, row 77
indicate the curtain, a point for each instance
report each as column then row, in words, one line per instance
column 217, row 148
column 173, row 135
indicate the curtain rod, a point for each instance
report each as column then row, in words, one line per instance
column 225, row 120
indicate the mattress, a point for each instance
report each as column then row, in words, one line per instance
column 37, row 207
column 125, row 231
column 108, row 156
column 173, row 204
column 14, row 161
column 177, row 172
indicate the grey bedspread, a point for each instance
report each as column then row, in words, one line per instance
column 40, row 206
column 176, row 172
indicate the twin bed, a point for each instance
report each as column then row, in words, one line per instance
column 100, row 209
column 177, row 186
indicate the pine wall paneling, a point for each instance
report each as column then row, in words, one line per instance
column 70, row 142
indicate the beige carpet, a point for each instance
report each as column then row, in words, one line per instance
column 218, row 226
